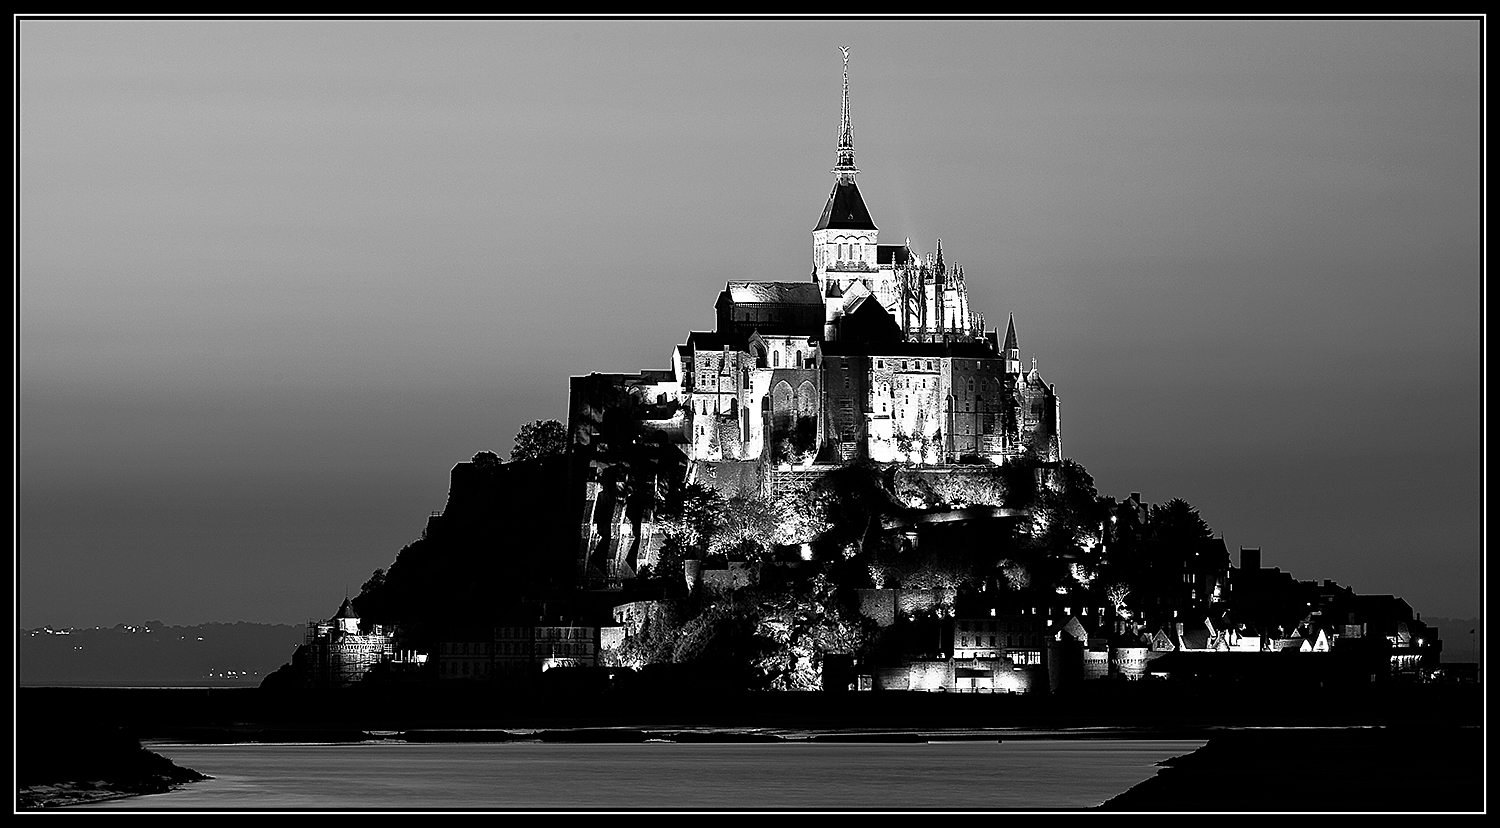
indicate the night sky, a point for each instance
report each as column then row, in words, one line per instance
column 277, row 277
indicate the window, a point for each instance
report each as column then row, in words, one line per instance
column 775, row 359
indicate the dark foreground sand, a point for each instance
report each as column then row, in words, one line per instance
column 65, row 764
column 1400, row 769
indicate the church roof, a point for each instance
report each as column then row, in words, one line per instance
column 773, row 293
column 1010, row 335
column 845, row 209
column 346, row 610
column 892, row 254
column 716, row 340
column 963, row 350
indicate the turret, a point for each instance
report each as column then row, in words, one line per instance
column 346, row 618
column 1012, row 351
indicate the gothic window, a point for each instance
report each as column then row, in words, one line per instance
column 782, row 396
column 799, row 360
column 806, row 402
column 775, row 359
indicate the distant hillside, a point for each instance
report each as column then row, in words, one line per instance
column 151, row 654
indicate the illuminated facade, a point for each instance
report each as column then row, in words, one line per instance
column 337, row 654
column 877, row 356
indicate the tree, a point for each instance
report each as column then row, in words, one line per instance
column 746, row 530
column 689, row 519
column 1017, row 576
column 1118, row 595
column 1179, row 521
column 377, row 580
column 801, row 515
column 1067, row 513
column 539, row 438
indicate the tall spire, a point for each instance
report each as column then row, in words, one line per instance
column 845, row 169
column 1010, row 350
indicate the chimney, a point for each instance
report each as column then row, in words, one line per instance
column 1250, row 557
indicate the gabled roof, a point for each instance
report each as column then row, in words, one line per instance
column 845, row 209
column 773, row 293
column 1075, row 629
column 853, row 300
column 346, row 610
column 716, row 341
column 1195, row 639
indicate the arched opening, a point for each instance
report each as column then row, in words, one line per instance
column 760, row 355
column 775, row 359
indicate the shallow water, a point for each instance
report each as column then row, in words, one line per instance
column 393, row 775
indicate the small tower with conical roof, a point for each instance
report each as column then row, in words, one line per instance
column 346, row 618
column 1011, row 352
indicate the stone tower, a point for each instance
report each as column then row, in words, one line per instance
column 844, row 238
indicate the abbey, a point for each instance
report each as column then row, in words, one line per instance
column 877, row 356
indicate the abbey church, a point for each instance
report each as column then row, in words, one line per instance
column 876, row 356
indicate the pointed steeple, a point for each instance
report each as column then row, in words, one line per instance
column 845, row 169
column 1011, row 352
column 347, row 620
